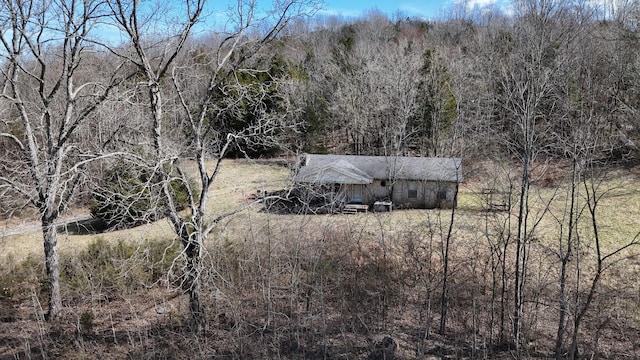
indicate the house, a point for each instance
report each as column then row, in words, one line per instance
column 406, row 182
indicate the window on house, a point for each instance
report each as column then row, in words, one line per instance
column 442, row 192
column 413, row 190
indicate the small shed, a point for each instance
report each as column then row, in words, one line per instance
column 407, row 182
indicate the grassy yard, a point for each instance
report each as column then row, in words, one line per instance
column 618, row 212
column 236, row 181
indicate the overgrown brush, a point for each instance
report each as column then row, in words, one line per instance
column 107, row 271
column 18, row 281
column 103, row 270
column 311, row 289
column 296, row 288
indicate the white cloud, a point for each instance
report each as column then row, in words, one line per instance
column 480, row 3
column 470, row 4
column 503, row 5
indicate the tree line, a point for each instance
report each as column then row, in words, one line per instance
column 464, row 86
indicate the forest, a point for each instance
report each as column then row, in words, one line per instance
column 162, row 122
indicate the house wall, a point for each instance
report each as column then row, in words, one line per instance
column 413, row 194
column 378, row 190
column 450, row 200
column 428, row 194
column 368, row 193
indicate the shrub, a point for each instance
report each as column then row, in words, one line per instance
column 130, row 195
column 109, row 270
column 18, row 282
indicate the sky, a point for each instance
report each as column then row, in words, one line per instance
column 412, row 8
column 424, row 9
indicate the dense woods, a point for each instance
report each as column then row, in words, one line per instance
column 115, row 105
column 467, row 85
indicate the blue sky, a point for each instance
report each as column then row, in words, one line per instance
column 413, row 8
column 426, row 9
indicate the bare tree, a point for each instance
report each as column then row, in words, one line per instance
column 446, row 247
column 603, row 259
column 581, row 242
column 526, row 88
column 150, row 52
column 580, row 239
column 497, row 231
column 374, row 73
column 397, row 73
column 53, row 81
column 206, row 105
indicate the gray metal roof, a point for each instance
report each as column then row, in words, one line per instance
column 352, row 169
column 338, row 172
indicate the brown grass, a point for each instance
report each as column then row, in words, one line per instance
column 315, row 286
column 237, row 180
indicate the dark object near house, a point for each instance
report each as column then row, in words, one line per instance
column 382, row 206
column 404, row 182
column 384, row 349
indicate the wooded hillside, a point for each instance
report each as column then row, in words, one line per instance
column 471, row 85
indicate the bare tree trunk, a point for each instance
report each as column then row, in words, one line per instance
column 429, row 285
column 521, row 244
column 52, row 266
column 193, row 251
column 155, row 97
column 498, row 274
column 563, row 309
column 564, row 263
column 503, row 287
column 445, row 276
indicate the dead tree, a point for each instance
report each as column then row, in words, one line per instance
column 222, row 94
column 54, row 79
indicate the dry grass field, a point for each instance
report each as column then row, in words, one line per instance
column 328, row 286
column 237, row 180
